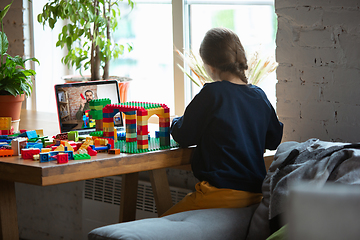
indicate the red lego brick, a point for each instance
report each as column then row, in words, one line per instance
column 142, row 130
column 130, row 121
column 164, row 124
column 28, row 153
column 91, row 151
column 62, row 158
column 143, row 142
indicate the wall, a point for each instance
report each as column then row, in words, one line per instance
column 13, row 27
column 318, row 50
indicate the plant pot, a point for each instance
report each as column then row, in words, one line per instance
column 11, row 106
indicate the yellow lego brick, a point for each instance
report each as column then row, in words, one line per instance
column 142, row 123
column 157, row 111
column 131, row 135
column 108, row 129
column 5, row 123
column 108, row 124
column 142, row 137
column 40, row 132
column 146, row 146
column 130, row 117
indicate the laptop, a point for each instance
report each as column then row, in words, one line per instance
column 72, row 100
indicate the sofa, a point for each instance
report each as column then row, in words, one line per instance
column 315, row 162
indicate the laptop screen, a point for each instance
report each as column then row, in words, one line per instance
column 73, row 104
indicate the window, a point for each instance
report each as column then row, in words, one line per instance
column 154, row 27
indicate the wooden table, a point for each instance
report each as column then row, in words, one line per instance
column 14, row 169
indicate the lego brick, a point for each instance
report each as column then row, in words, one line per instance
column 108, row 134
column 164, row 141
column 6, row 152
column 163, row 120
column 91, row 151
column 62, row 158
column 164, row 130
column 143, row 119
column 108, row 119
column 44, row 157
column 142, row 137
column 31, row 134
column 5, row 123
column 28, row 153
column 146, row 146
column 131, row 139
column 130, row 121
column 82, row 156
column 164, row 124
column 73, row 136
column 114, row 151
column 130, row 116
column 108, row 124
column 142, row 130
column 131, row 135
column 142, row 142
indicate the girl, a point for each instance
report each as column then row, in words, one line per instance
column 232, row 123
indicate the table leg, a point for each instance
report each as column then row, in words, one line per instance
column 161, row 190
column 129, row 185
column 9, row 229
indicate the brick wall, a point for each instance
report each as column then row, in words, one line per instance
column 13, row 27
column 75, row 99
column 318, row 50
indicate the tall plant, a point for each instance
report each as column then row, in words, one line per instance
column 87, row 35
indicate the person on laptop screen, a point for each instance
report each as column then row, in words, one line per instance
column 84, row 104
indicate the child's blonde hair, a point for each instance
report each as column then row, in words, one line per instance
column 221, row 48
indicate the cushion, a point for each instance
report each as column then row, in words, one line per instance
column 218, row 223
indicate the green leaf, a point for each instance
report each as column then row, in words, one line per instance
column 4, row 44
column 3, row 12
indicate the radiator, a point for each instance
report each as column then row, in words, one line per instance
column 101, row 201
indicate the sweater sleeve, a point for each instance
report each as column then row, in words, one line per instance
column 274, row 132
column 188, row 129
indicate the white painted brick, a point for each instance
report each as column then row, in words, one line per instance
column 317, row 38
column 290, row 109
column 346, row 76
column 317, row 111
column 350, row 47
column 344, row 133
column 286, row 73
column 341, row 93
column 296, row 14
column 348, row 114
column 297, row 92
column 316, row 75
column 338, row 15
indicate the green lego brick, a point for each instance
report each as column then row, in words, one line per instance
column 81, row 156
column 96, row 134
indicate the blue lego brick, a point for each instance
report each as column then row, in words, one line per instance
column 44, row 157
column 164, row 129
column 164, row 134
column 130, row 113
column 70, row 155
column 31, row 134
column 34, row 145
column 108, row 115
column 131, row 126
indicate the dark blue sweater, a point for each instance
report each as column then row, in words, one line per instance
column 231, row 125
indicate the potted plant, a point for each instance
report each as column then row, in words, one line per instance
column 15, row 79
column 87, row 35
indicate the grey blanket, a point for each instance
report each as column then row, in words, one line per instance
column 313, row 161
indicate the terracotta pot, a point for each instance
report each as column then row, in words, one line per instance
column 10, row 106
